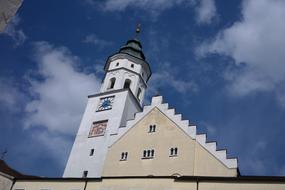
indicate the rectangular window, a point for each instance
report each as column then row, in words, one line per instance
column 85, row 173
column 91, row 152
column 148, row 154
column 124, row 156
column 173, row 152
column 152, row 128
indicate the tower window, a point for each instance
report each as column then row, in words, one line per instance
column 132, row 65
column 148, row 154
column 173, row 151
column 139, row 93
column 117, row 64
column 112, row 83
column 124, row 156
column 127, row 84
column 85, row 173
column 152, row 128
column 91, row 152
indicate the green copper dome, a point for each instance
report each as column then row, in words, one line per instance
column 134, row 48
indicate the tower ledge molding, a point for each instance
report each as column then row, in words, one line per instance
column 116, row 56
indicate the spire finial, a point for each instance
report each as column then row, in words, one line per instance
column 138, row 30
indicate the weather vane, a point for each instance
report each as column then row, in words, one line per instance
column 3, row 154
column 138, row 30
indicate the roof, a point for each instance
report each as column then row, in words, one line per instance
column 176, row 178
column 134, row 48
column 4, row 168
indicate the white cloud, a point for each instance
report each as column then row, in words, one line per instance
column 11, row 97
column 150, row 5
column 212, row 130
column 253, row 163
column 166, row 78
column 59, row 91
column 56, row 145
column 205, row 9
column 93, row 39
column 258, row 41
column 17, row 35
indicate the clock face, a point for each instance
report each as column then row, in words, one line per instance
column 105, row 103
column 98, row 129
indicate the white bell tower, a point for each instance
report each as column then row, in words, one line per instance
column 121, row 96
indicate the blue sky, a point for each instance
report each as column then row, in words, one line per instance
column 219, row 63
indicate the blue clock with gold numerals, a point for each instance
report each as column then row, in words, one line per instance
column 105, row 103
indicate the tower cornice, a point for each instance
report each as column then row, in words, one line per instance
column 117, row 91
column 116, row 56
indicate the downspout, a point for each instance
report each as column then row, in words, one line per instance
column 85, row 184
column 197, row 184
column 13, row 183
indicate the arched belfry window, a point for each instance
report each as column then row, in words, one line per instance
column 112, row 83
column 127, row 83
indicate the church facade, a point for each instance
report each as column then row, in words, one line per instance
column 122, row 144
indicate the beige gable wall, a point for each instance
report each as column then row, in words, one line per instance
column 207, row 165
column 52, row 185
column 242, row 185
column 148, row 184
column 141, row 184
column 167, row 135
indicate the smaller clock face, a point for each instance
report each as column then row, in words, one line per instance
column 105, row 103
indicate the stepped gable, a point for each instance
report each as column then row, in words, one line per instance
column 185, row 125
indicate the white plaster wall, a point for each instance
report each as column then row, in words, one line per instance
column 126, row 64
column 121, row 76
column 5, row 181
column 123, row 109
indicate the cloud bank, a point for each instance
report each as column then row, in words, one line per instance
column 257, row 41
column 205, row 9
column 18, row 36
column 58, row 90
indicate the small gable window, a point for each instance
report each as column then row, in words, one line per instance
column 173, row 152
column 152, row 128
column 117, row 64
column 132, row 65
column 124, row 156
column 148, row 154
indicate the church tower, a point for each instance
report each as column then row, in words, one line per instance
column 120, row 97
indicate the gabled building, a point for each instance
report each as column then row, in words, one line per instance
column 122, row 144
column 118, row 136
